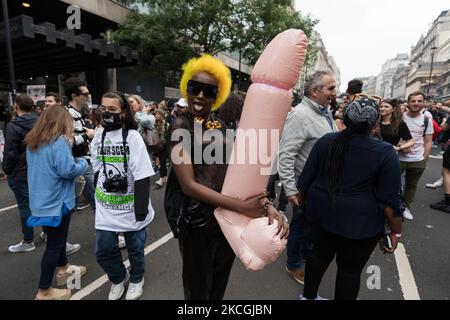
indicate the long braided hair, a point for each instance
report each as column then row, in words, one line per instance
column 359, row 117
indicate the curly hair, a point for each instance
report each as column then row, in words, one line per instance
column 213, row 66
column 231, row 110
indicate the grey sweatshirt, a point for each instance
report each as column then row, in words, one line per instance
column 303, row 127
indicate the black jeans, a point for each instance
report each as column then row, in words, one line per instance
column 163, row 161
column 207, row 260
column 55, row 251
column 351, row 257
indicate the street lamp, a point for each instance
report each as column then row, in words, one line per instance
column 240, row 73
column 12, row 75
column 431, row 69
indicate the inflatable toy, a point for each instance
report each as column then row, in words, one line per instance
column 266, row 106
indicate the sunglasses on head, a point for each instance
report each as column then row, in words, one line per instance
column 209, row 91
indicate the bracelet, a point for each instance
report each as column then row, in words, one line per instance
column 266, row 205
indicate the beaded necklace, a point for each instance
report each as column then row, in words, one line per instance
column 208, row 124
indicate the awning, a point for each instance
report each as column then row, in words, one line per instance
column 40, row 49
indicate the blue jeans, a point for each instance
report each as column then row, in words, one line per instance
column 109, row 256
column 299, row 243
column 89, row 188
column 20, row 190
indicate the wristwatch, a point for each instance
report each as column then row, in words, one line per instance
column 398, row 235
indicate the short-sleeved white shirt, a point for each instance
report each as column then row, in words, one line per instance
column 416, row 126
column 115, row 211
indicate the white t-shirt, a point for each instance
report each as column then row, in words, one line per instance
column 416, row 127
column 115, row 211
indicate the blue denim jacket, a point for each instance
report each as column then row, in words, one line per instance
column 51, row 173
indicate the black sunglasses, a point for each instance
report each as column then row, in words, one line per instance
column 209, row 91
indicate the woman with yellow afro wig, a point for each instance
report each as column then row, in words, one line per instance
column 216, row 69
column 194, row 184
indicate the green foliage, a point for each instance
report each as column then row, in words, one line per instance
column 172, row 31
column 259, row 21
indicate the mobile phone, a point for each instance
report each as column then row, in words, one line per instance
column 385, row 242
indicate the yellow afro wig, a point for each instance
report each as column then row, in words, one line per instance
column 215, row 68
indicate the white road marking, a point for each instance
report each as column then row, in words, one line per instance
column 407, row 282
column 8, row 208
column 104, row 279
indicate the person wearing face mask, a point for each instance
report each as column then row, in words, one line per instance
column 194, row 184
column 122, row 179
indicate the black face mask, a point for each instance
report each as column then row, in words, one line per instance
column 111, row 121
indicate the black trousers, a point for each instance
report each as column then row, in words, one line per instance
column 207, row 260
column 351, row 257
column 55, row 251
column 163, row 161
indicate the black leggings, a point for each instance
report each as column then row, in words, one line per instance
column 55, row 251
column 163, row 162
column 351, row 257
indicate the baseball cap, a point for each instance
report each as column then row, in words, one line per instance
column 182, row 102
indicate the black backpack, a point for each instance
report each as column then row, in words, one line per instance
column 173, row 195
column 426, row 120
column 173, row 200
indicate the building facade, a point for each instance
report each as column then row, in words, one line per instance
column 324, row 62
column 430, row 58
column 385, row 81
column 47, row 49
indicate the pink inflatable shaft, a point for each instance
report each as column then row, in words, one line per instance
column 266, row 106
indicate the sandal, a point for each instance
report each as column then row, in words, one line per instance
column 61, row 279
column 57, row 294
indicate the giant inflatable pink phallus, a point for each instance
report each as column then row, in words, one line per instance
column 266, row 106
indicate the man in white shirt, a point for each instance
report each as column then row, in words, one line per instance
column 414, row 162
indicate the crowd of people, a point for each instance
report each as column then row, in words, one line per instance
column 340, row 164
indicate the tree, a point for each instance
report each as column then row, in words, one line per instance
column 257, row 22
column 172, row 31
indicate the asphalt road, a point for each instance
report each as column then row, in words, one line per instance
column 421, row 272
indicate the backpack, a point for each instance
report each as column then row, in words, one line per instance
column 152, row 141
column 173, row 200
column 173, row 195
column 426, row 120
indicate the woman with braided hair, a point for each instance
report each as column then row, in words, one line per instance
column 194, row 185
column 350, row 185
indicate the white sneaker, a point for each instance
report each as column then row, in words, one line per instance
column 122, row 244
column 22, row 246
column 318, row 298
column 117, row 290
column 72, row 248
column 135, row 290
column 435, row 184
column 82, row 207
column 439, row 182
column 407, row 214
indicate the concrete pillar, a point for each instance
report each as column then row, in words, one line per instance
column 111, row 79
